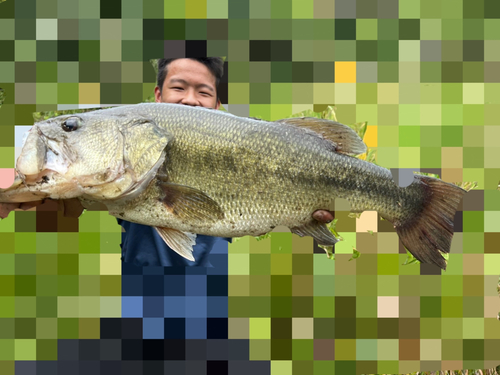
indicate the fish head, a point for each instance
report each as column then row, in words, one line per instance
column 97, row 155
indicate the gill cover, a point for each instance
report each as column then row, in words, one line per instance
column 143, row 153
column 131, row 149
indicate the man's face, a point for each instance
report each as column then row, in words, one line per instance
column 188, row 82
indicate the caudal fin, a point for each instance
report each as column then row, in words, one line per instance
column 431, row 232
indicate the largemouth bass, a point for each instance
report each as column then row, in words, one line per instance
column 191, row 170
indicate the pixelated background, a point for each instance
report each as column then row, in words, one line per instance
column 424, row 74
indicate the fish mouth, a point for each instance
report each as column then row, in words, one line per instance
column 43, row 177
column 41, row 159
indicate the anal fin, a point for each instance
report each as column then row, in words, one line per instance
column 318, row 231
column 181, row 242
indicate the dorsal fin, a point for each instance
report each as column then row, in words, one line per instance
column 344, row 139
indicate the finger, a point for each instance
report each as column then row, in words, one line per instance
column 72, row 207
column 5, row 209
column 28, row 205
column 323, row 216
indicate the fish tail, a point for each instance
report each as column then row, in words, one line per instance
column 429, row 233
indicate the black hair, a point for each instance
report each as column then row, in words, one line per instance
column 214, row 64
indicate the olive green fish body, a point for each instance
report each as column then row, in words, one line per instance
column 189, row 170
column 262, row 174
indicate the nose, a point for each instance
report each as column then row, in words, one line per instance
column 190, row 98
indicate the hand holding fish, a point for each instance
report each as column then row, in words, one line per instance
column 70, row 207
column 323, row 216
column 6, row 208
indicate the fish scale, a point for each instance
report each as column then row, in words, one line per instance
column 334, row 175
column 195, row 170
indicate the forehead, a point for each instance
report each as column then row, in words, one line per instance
column 190, row 70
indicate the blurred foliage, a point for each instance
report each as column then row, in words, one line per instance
column 369, row 156
column 150, row 99
column 328, row 114
column 467, row 185
column 45, row 115
column 154, row 62
column 498, row 292
column 429, row 174
column 42, row 116
column 410, row 259
column 263, row 236
column 355, row 254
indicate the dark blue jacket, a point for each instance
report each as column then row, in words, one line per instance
column 142, row 246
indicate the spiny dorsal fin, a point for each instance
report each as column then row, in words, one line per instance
column 344, row 139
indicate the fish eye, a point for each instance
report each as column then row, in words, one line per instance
column 71, row 124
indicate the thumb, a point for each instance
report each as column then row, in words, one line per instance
column 72, row 207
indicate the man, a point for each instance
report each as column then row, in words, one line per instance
column 191, row 82
column 187, row 81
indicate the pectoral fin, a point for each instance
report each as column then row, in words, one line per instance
column 181, row 242
column 190, row 204
column 318, row 231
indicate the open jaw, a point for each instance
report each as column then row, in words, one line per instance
column 41, row 156
column 43, row 177
column 30, row 188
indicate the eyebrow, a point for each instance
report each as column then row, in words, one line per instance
column 184, row 82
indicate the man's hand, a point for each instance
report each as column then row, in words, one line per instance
column 323, row 216
column 5, row 208
column 70, row 207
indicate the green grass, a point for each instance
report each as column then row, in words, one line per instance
column 42, row 116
